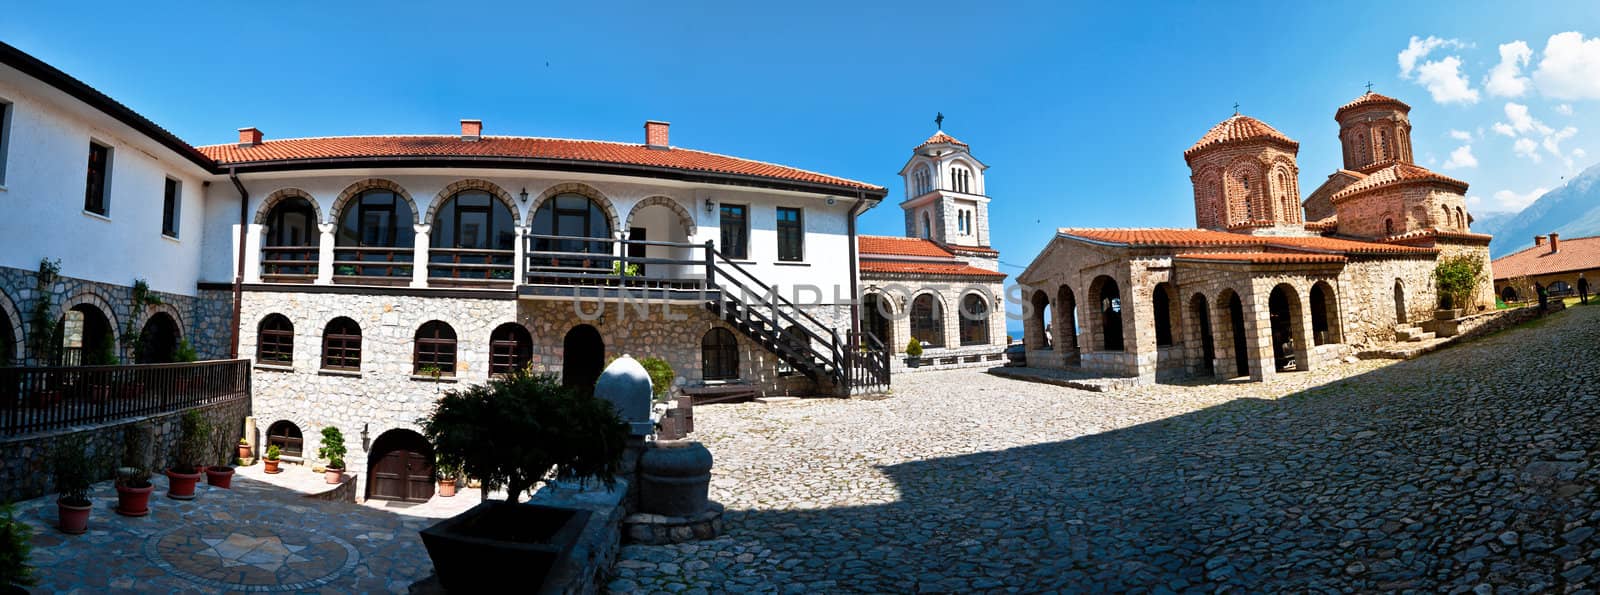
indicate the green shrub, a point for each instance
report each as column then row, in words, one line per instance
column 274, row 453
column 135, row 469
column 185, row 352
column 661, row 376
column 514, row 430
column 193, row 443
column 332, row 449
column 914, row 348
column 14, row 549
column 1456, row 277
column 74, row 471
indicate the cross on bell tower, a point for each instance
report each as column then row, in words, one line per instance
column 938, row 120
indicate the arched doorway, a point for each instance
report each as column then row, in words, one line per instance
column 1165, row 313
column 86, row 338
column 1067, row 318
column 400, row 468
column 583, row 356
column 1233, row 308
column 875, row 313
column 158, row 342
column 1036, row 329
column 1399, row 302
column 1108, row 302
column 1509, row 294
column 927, row 320
column 8, row 356
column 1208, row 349
column 660, row 219
column 1324, row 314
column 1283, row 311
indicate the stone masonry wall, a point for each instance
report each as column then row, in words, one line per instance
column 197, row 317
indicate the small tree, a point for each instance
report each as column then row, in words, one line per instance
column 273, row 452
column 185, row 352
column 135, row 469
column 14, row 550
column 194, row 443
column 914, row 348
column 1456, row 278
column 332, row 449
column 518, row 428
column 661, row 376
column 74, row 471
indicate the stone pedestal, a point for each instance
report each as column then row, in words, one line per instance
column 654, row 529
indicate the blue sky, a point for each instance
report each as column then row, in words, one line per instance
column 1082, row 110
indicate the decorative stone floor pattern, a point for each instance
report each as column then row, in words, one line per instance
column 1471, row 469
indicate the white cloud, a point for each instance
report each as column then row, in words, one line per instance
column 1527, row 148
column 1506, row 79
column 1461, row 158
column 1445, row 82
column 1507, row 200
column 1522, row 121
column 1576, row 155
column 1460, row 135
column 1420, row 48
column 1564, row 109
column 1504, row 129
column 1570, row 68
column 1552, row 143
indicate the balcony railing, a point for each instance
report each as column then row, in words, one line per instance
column 289, row 264
column 470, row 267
column 372, row 265
column 582, row 261
column 39, row 399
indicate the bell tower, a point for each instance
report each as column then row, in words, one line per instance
column 1245, row 177
column 1375, row 131
column 945, row 197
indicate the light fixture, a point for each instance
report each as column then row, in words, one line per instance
column 524, row 195
column 710, row 206
column 366, row 444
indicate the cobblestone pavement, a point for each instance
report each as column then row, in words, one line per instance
column 1473, row 468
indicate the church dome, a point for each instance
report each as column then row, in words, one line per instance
column 1370, row 98
column 1239, row 128
column 941, row 138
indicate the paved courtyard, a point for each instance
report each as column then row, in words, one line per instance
column 1473, row 468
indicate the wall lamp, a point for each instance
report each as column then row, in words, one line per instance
column 711, row 207
column 523, row 196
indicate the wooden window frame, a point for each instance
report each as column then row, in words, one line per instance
column 736, row 246
column 96, row 191
column 291, row 446
column 791, row 249
column 507, row 354
column 171, row 201
column 434, row 345
column 276, row 343
column 341, row 349
column 719, row 360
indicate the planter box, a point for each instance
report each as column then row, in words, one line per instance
column 1447, row 314
column 498, row 543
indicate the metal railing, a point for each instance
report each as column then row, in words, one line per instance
column 868, row 362
column 372, row 265
column 289, row 264
column 471, row 266
column 37, row 399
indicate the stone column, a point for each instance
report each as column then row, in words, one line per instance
column 1258, row 339
column 419, row 257
column 252, row 253
column 325, row 254
column 1304, row 337
column 519, row 268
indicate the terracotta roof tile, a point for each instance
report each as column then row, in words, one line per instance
column 1329, row 224
column 1398, row 173
column 1577, row 254
column 1200, row 238
column 952, row 269
column 1238, row 128
column 893, row 246
column 941, row 137
column 974, row 249
column 1370, row 98
column 1262, row 257
column 354, row 147
column 1430, row 233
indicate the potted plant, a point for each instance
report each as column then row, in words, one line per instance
column 74, row 474
column 511, row 432
column 447, row 478
column 914, row 354
column 221, row 475
column 332, row 450
column 194, row 433
column 1456, row 278
column 133, row 477
column 244, row 449
column 15, row 573
column 271, row 460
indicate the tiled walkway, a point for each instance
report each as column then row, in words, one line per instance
column 256, row 537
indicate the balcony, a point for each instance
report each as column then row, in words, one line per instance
column 43, row 399
column 471, row 267
column 372, row 265
column 570, row 266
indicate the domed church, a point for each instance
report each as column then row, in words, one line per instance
column 1265, row 283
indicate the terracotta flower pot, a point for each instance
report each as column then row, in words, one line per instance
column 333, row 475
column 133, row 501
column 272, row 465
column 220, row 476
column 244, row 451
column 180, row 486
column 447, row 487
column 74, row 519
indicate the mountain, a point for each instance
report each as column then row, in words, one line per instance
column 1572, row 210
column 1490, row 223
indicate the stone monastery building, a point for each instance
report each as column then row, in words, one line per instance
column 1265, row 283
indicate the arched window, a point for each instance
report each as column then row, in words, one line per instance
column 926, row 323
column 922, row 180
column 1324, row 314
column 510, row 348
column 719, row 355
column 974, row 320
column 1461, row 219
column 341, row 345
column 1388, row 227
column 961, row 179
column 286, row 436
column 1383, row 145
column 291, row 242
column 158, row 341
column 572, row 216
column 927, row 225
column 434, row 351
column 1162, row 302
column 1108, row 302
column 375, row 236
column 275, row 341
column 467, row 224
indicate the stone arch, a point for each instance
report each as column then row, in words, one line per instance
column 288, row 434
column 1108, row 322
column 11, row 332
column 474, row 184
column 1286, row 315
column 272, row 200
column 934, row 334
column 141, row 318
column 1325, row 318
column 1168, row 314
column 1035, row 328
column 586, row 190
column 1246, row 191
column 370, row 184
column 1204, row 350
column 878, row 312
column 95, row 296
column 400, row 466
column 1066, row 318
column 1400, row 301
column 1232, row 334
column 664, row 201
column 973, row 310
column 1461, row 219
column 1208, row 198
column 1286, row 185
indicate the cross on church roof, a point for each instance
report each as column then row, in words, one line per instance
column 938, row 120
column 1235, row 108
column 1369, row 86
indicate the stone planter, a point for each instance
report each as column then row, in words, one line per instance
column 1447, row 314
column 180, row 486
column 133, row 501
column 498, row 543
column 220, row 476
column 74, row 518
column 674, row 478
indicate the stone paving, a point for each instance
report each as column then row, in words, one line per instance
column 1470, row 469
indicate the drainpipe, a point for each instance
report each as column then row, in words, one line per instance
column 855, row 268
column 238, row 273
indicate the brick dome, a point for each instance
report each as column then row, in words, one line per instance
column 1239, row 128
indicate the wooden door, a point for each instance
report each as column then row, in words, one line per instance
column 402, row 469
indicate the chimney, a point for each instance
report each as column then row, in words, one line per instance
column 471, row 130
column 1538, row 241
column 1555, row 243
column 249, row 137
column 655, row 134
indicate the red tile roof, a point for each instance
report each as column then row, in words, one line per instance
column 1430, row 233
column 941, row 137
column 1399, row 173
column 952, row 269
column 893, row 246
column 577, row 151
column 1198, row 238
column 1328, row 224
column 974, row 249
column 1262, row 257
column 1577, row 254
column 1239, row 128
column 1370, row 98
